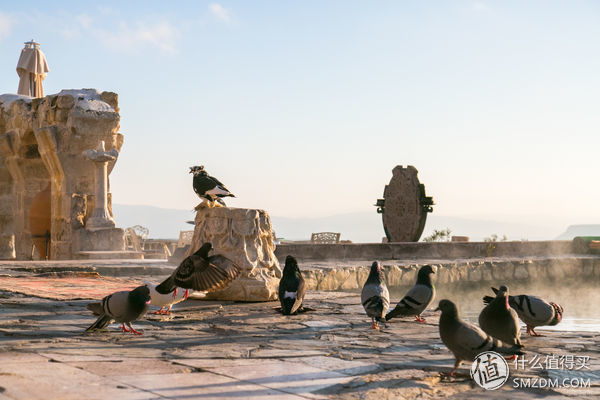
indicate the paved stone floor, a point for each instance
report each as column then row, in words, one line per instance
column 209, row 350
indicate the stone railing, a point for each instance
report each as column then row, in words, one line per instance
column 416, row 250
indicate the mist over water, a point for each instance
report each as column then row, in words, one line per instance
column 579, row 300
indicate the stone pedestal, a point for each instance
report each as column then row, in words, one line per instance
column 245, row 237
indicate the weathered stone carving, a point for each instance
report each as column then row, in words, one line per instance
column 42, row 142
column 100, row 157
column 404, row 206
column 245, row 237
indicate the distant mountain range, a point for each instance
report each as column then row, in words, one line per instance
column 580, row 230
column 359, row 227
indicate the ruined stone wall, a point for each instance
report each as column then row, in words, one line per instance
column 42, row 141
column 563, row 270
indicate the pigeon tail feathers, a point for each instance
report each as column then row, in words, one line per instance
column 100, row 323
column 167, row 286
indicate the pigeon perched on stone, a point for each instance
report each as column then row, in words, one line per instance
column 532, row 310
column 208, row 187
column 499, row 320
column 375, row 297
column 418, row 298
column 466, row 340
column 166, row 301
column 201, row 272
column 291, row 287
column 123, row 307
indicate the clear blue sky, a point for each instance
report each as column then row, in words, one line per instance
column 303, row 108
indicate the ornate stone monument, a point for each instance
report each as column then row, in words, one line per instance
column 245, row 237
column 42, row 143
column 404, row 206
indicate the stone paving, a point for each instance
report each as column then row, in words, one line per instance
column 212, row 350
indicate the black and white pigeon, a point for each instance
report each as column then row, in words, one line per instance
column 375, row 297
column 208, row 187
column 532, row 310
column 123, row 307
column 466, row 340
column 499, row 320
column 418, row 298
column 291, row 287
column 201, row 272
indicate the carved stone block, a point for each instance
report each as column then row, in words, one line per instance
column 245, row 237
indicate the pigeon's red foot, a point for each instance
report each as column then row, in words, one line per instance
column 187, row 292
column 532, row 332
column 162, row 311
column 124, row 329
column 136, row 332
column 513, row 357
column 175, row 293
column 375, row 326
column 448, row 374
column 418, row 318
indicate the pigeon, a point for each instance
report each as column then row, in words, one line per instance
column 291, row 287
column 466, row 340
column 208, row 188
column 166, row 301
column 201, row 272
column 499, row 320
column 375, row 297
column 123, row 307
column 418, row 298
column 532, row 310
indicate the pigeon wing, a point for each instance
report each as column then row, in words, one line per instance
column 203, row 184
column 375, row 298
column 300, row 292
column 469, row 340
column 213, row 273
column 116, row 306
column 414, row 302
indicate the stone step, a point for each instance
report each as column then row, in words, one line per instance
column 110, row 255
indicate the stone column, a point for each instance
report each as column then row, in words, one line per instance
column 245, row 237
column 100, row 218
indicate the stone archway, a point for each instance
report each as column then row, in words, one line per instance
column 36, row 198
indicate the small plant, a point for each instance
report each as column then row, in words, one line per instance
column 438, row 235
column 491, row 246
column 494, row 238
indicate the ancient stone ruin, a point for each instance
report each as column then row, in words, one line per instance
column 56, row 154
column 245, row 237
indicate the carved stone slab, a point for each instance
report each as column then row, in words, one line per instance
column 404, row 206
column 245, row 237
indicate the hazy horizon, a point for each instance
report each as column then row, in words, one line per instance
column 304, row 109
column 358, row 227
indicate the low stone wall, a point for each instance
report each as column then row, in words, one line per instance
column 442, row 250
column 539, row 269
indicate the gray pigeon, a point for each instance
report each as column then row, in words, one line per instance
column 291, row 287
column 375, row 297
column 123, row 307
column 499, row 320
column 418, row 298
column 466, row 340
column 532, row 310
column 201, row 272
